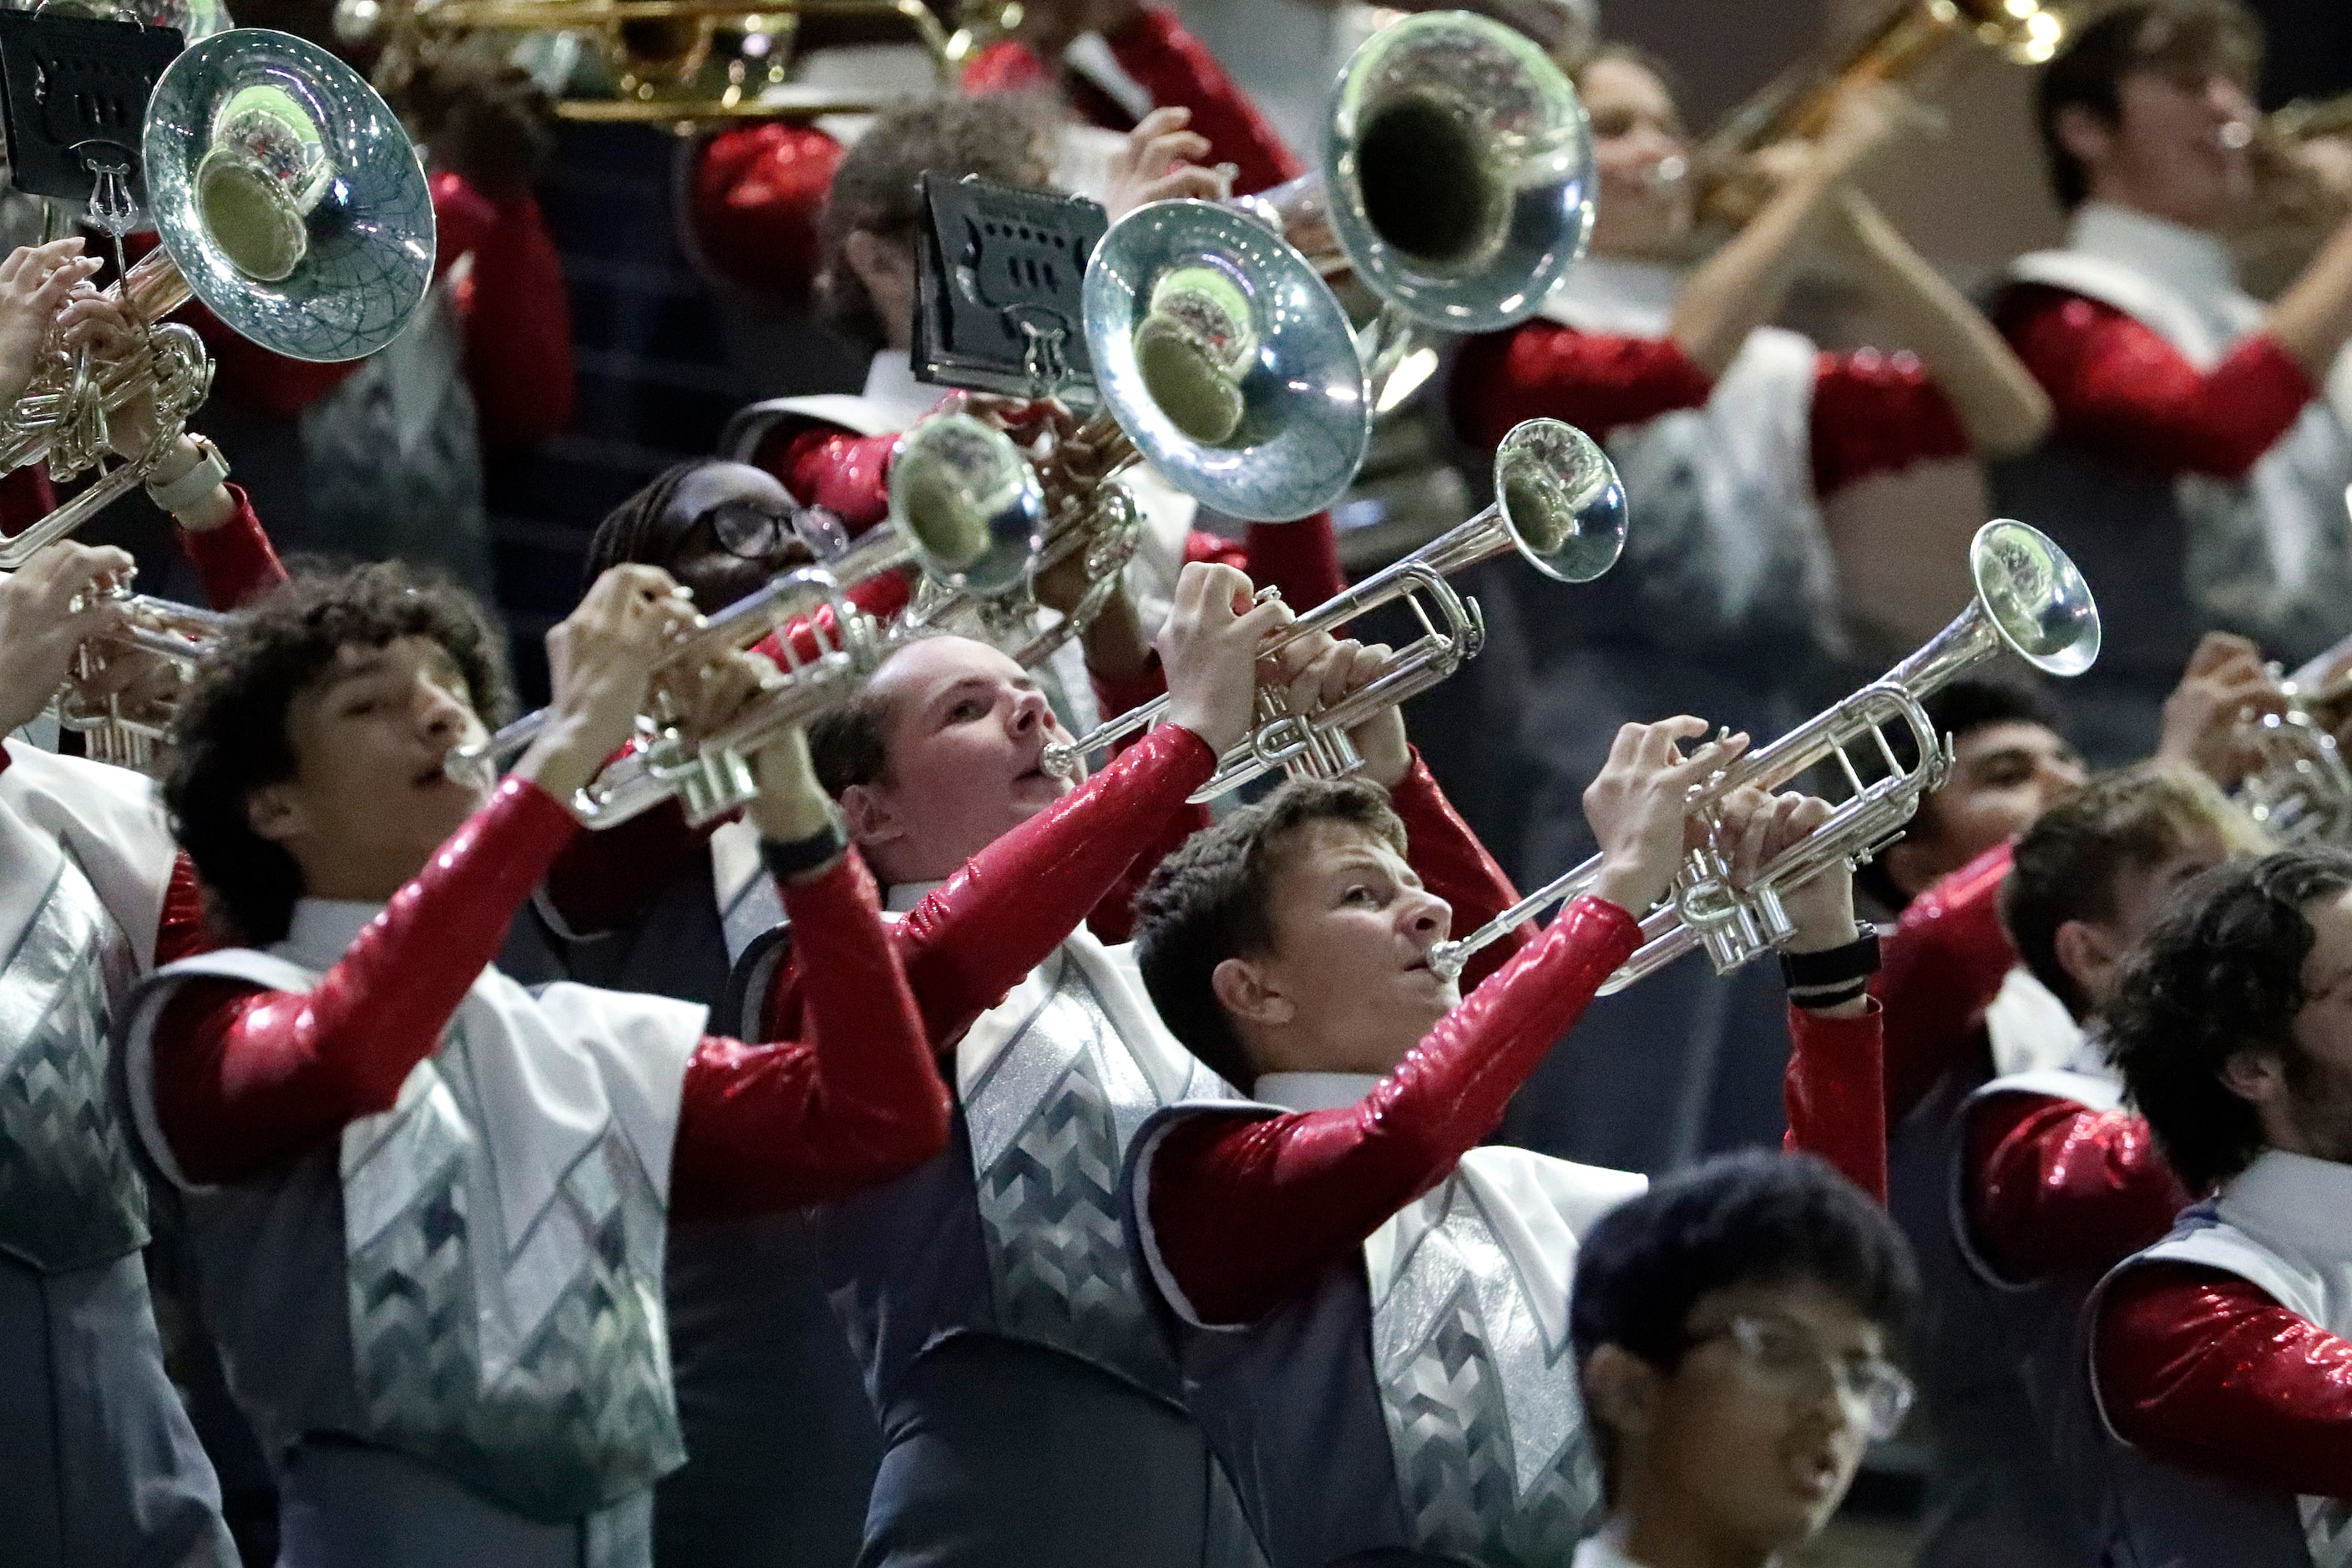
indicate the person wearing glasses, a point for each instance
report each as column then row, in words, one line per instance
column 1372, row 1311
column 2198, row 461
column 1731, row 1328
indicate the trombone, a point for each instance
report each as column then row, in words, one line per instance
column 2030, row 600
column 964, row 508
column 1558, row 502
column 287, row 199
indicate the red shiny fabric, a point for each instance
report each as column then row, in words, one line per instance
column 235, row 561
column 245, row 1080
column 179, row 932
column 2120, row 391
column 823, row 465
column 1873, row 413
column 1835, row 1094
column 758, row 190
column 1247, row 1214
column 1940, row 970
column 2205, row 1371
column 1178, row 70
column 2054, row 1187
column 972, row 940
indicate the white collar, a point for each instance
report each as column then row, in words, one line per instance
column 2188, row 260
column 1313, row 1090
column 323, row 929
column 904, row 896
column 1616, row 293
column 2297, row 1199
column 890, row 384
column 1605, row 1549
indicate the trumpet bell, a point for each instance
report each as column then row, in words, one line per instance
column 2034, row 597
column 1561, row 499
column 1227, row 359
column 287, row 196
column 968, row 503
column 1459, row 161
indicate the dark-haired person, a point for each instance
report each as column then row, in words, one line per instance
column 1371, row 1310
column 1729, row 433
column 2219, row 1357
column 2046, row 1181
column 1733, row 1327
column 2198, row 465
column 1100, row 66
column 427, row 1205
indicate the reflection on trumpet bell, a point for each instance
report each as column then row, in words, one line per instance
column 2029, row 602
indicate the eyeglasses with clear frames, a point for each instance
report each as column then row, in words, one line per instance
column 749, row 529
column 1782, row 1355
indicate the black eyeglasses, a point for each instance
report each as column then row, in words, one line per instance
column 750, row 529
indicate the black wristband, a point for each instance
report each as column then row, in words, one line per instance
column 799, row 856
column 1832, row 969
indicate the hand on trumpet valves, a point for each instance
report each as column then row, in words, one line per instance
column 600, row 660
column 1161, row 162
column 1209, row 648
column 62, row 598
column 1752, row 829
column 2210, row 719
column 1318, row 671
column 36, row 282
column 1639, row 806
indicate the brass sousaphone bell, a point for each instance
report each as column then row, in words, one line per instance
column 289, row 200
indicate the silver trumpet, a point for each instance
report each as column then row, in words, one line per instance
column 964, row 508
column 124, row 722
column 1559, row 503
column 1457, row 182
column 2029, row 601
column 2300, row 789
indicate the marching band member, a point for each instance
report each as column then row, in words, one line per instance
column 1732, row 1327
column 1029, row 1415
column 2200, row 461
column 427, row 1205
column 758, row 190
column 102, row 1464
column 1730, row 433
column 2218, row 1356
column 1372, row 1314
column 2047, row 1181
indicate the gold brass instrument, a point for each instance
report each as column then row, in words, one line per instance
column 683, row 63
column 288, row 201
column 123, row 721
column 1558, row 502
column 2293, row 210
column 2300, row 789
column 1456, row 183
column 1911, row 43
column 2029, row 601
column 965, row 510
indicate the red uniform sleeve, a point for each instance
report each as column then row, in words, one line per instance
column 604, row 881
column 2202, row 1370
column 2053, row 1186
column 2119, row 390
column 971, row 940
column 247, row 1079
column 180, row 931
column 1245, row 1214
column 848, row 475
column 758, row 190
column 1833, row 1093
column 1597, row 382
column 1942, row 967
column 1178, row 70
column 1878, row 413
column 517, row 316
column 762, row 1128
column 1300, row 558
column 235, row 560
column 26, row 497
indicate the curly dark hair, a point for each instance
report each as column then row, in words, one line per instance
column 1755, row 1217
column 875, row 190
column 1208, row 902
column 2153, row 35
column 2221, row 973
column 231, row 736
column 2067, row 866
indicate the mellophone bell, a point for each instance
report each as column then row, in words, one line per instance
column 286, row 197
